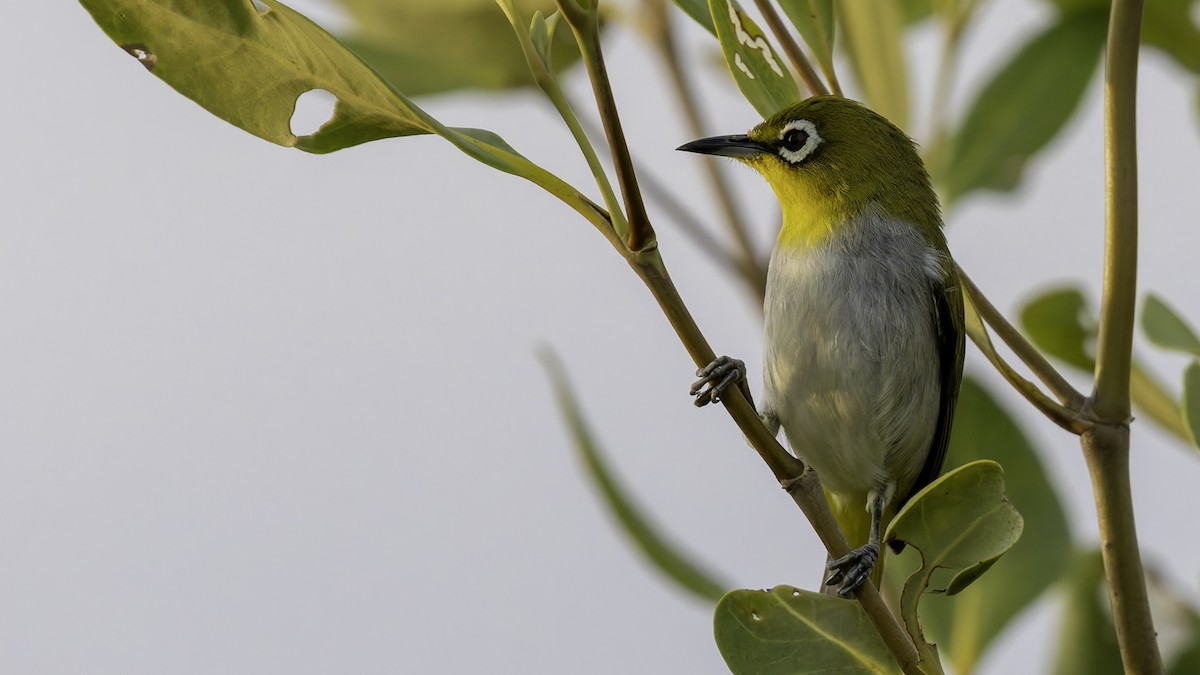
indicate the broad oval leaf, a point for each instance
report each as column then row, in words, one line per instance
column 758, row 70
column 814, row 20
column 1164, row 328
column 430, row 46
column 789, row 631
column 1024, row 106
column 965, row 626
column 874, row 33
column 1061, row 323
column 1191, row 401
column 658, row 551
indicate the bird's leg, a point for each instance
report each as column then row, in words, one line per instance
column 716, row 377
column 854, row 568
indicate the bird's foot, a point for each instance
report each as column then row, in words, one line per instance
column 853, row 569
column 716, row 377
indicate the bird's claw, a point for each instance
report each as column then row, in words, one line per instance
column 853, row 569
column 715, row 378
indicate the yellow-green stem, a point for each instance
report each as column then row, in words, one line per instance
column 1106, row 445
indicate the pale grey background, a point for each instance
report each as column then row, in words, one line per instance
column 266, row 412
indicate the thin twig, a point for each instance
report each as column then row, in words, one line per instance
column 751, row 270
column 1029, row 355
column 792, row 48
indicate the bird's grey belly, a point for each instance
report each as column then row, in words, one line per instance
column 851, row 364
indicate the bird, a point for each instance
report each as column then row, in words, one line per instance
column 863, row 316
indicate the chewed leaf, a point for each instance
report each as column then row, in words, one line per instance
column 789, row 631
column 960, row 524
column 249, row 68
column 760, row 73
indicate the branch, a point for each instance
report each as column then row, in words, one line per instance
column 790, row 47
column 1106, row 446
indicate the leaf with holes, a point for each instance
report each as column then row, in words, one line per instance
column 759, row 72
column 662, row 554
column 965, row 625
column 1164, row 328
column 249, row 68
column 789, row 631
column 874, row 34
column 1024, row 106
column 960, row 524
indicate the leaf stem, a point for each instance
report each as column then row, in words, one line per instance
column 1029, row 355
column 585, row 25
column 1106, row 446
column 792, row 48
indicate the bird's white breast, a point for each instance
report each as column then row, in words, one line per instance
column 851, row 359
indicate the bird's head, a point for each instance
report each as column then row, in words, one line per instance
column 827, row 158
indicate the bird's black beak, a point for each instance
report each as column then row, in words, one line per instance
column 739, row 146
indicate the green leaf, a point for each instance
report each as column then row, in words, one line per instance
column 1166, row 329
column 789, row 631
column 248, row 68
column 760, row 74
column 1024, row 106
column 960, row 524
column 698, row 10
column 874, row 33
column 1191, row 401
column 431, row 46
column 1168, row 25
column 1061, row 324
column 814, row 20
column 965, row 625
column 1087, row 642
column 664, row 556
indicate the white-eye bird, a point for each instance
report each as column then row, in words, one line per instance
column 863, row 343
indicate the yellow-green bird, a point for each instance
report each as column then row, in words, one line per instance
column 863, row 342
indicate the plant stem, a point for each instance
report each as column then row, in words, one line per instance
column 1029, row 355
column 1106, row 445
column 792, row 48
column 750, row 269
column 586, row 27
column 1106, row 450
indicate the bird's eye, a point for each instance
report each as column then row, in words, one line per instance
column 798, row 140
column 794, row 139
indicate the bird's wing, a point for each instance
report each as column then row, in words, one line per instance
column 950, row 330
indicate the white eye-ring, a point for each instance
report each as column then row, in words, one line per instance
column 797, row 140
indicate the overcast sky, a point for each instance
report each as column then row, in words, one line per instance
column 268, row 412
